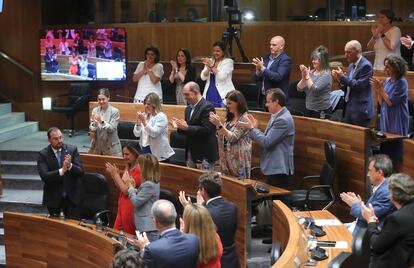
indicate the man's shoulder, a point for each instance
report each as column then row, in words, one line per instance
column 45, row 150
column 365, row 62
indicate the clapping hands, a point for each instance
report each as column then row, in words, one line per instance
column 259, row 63
column 250, row 123
column 368, row 213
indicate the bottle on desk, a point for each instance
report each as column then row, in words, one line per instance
column 62, row 215
column 241, row 174
column 99, row 224
column 205, row 165
column 122, row 238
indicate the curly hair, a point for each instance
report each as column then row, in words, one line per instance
column 127, row 258
column 402, row 188
column 398, row 64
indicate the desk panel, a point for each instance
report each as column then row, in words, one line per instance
column 38, row 241
column 287, row 231
column 352, row 143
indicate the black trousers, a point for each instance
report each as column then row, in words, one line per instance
column 279, row 180
column 70, row 209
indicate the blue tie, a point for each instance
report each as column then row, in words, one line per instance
column 58, row 156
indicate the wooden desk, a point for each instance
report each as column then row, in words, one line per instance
column 352, row 144
column 287, row 230
column 38, row 241
column 408, row 161
column 177, row 178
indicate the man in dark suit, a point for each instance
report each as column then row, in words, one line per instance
column 359, row 107
column 200, row 133
column 174, row 248
column 407, row 50
column 223, row 213
column 380, row 168
column 60, row 168
column 273, row 70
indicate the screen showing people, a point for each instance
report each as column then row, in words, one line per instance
column 83, row 54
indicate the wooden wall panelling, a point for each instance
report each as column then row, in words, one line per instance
column 408, row 161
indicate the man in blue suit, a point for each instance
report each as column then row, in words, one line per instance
column 174, row 249
column 273, row 70
column 359, row 107
column 277, row 141
column 380, row 168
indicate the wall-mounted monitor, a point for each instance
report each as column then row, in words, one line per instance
column 1, row 6
column 83, row 54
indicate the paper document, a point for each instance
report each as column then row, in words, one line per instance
column 328, row 222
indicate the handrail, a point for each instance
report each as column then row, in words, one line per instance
column 341, row 57
column 16, row 63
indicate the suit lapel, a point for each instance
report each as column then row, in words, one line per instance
column 196, row 110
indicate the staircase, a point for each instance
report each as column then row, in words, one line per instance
column 12, row 125
column 22, row 187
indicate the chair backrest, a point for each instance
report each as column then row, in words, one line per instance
column 77, row 90
column 361, row 249
column 168, row 195
column 94, row 195
column 328, row 172
column 126, row 135
column 251, row 94
column 343, row 260
column 178, row 140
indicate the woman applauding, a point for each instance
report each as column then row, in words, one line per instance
column 152, row 128
column 235, row 145
column 125, row 214
column 145, row 196
column 197, row 221
column 218, row 72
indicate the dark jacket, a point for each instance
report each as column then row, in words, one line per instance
column 54, row 184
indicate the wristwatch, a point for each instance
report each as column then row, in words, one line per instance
column 102, row 122
column 382, row 35
column 220, row 127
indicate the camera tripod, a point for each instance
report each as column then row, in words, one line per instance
column 231, row 33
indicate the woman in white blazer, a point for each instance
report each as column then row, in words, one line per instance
column 217, row 72
column 152, row 128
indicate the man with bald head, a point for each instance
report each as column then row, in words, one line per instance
column 174, row 248
column 359, row 106
column 201, row 134
column 273, row 70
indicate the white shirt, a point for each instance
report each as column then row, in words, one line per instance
column 381, row 51
column 145, row 86
column 211, row 199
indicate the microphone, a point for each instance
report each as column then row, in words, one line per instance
column 125, row 97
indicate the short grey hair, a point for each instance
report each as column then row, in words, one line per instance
column 382, row 162
column 193, row 86
column 401, row 188
column 163, row 211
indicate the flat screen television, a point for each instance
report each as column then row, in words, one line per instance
column 83, row 54
column 1, row 6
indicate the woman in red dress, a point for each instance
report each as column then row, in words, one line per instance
column 125, row 214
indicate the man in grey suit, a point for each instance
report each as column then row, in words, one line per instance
column 277, row 141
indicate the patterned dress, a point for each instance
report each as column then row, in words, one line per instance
column 236, row 150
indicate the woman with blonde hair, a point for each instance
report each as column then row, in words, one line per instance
column 152, row 128
column 145, row 196
column 197, row 221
